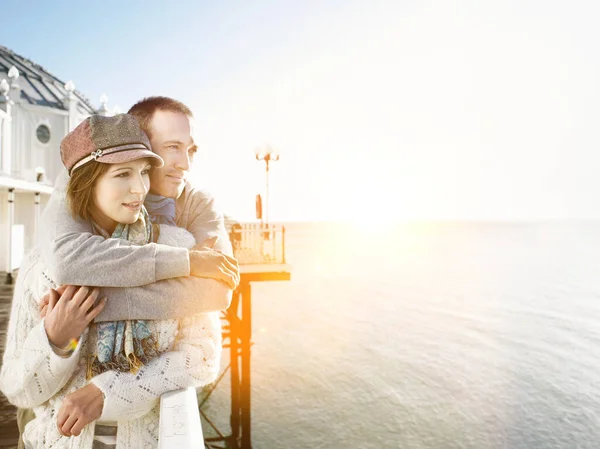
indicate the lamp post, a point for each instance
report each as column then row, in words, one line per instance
column 267, row 154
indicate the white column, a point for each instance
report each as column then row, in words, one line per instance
column 14, row 159
column 1, row 138
column 5, row 128
column 36, row 215
column 7, row 146
column 11, row 220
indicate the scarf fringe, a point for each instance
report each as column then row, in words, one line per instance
column 134, row 363
column 90, row 362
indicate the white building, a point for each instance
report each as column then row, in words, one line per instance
column 36, row 111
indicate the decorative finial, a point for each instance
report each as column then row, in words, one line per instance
column 13, row 73
column 103, row 105
column 4, row 87
column 70, row 87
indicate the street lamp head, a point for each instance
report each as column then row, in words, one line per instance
column 266, row 154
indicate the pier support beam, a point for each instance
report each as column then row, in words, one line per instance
column 240, row 337
column 237, row 336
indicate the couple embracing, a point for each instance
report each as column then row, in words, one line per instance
column 119, row 301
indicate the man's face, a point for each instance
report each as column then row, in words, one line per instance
column 171, row 140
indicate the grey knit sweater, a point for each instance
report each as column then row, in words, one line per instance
column 141, row 282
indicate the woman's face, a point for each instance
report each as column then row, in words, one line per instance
column 119, row 193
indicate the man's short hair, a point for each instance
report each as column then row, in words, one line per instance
column 80, row 190
column 144, row 110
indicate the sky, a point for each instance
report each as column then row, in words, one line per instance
column 382, row 111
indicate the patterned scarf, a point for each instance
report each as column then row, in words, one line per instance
column 161, row 209
column 124, row 345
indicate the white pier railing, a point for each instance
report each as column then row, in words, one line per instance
column 256, row 243
column 180, row 426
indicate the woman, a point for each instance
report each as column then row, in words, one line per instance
column 72, row 374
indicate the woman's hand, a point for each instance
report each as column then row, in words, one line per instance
column 43, row 305
column 67, row 316
column 78, row 409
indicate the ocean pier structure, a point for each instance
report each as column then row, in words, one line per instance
column 260, row 250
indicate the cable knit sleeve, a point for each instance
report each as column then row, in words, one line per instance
column 193, row 362
column 31, row 372
column 69, row 249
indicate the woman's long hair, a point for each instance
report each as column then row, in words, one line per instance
column 80, row 189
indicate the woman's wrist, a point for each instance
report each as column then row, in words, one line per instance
column 62, row 352
column 59, row 346
column 55, row 342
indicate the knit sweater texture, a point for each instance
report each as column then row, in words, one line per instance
column 33, row 376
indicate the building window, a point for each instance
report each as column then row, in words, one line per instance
column 43, row 133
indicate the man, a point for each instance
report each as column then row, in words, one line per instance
column 150, row 282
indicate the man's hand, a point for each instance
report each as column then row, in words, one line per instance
column 206, row 262
column 67, row 316
column 78, row 409
column 208, row 243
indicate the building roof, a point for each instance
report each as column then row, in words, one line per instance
column 38, row 86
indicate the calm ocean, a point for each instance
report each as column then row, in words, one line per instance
column 429, row 336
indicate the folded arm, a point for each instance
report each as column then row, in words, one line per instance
column 193, row 362
column 174, row 298
column 72, row 255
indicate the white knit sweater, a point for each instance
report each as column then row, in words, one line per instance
column 32, row 376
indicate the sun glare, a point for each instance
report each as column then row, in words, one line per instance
column 373, row 224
